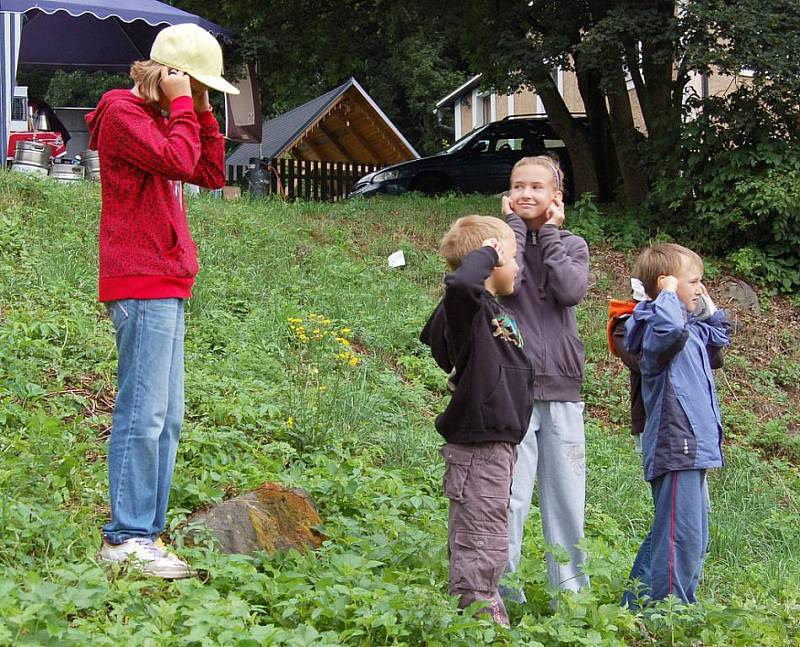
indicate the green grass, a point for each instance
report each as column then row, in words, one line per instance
column 263, row 404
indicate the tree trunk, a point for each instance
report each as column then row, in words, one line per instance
column 662, row 94
column 594, row 101
column 575, row 137
column 634, row 179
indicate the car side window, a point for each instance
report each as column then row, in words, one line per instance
column 509, row 144
column 480, row 146
column 533, row 144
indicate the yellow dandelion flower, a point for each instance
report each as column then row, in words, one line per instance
column 353, row 361
column 290, row 422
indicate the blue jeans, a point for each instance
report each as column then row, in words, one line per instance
column 670, row 559
column 147, row 418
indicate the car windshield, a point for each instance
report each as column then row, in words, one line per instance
column 464, row 140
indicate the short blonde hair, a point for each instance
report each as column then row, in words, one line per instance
column 661, row 260
column 549, row 162
column 147, row 77
column 468, row 233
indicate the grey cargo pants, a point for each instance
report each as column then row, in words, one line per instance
column 477, row 481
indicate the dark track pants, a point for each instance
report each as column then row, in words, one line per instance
column 675, row 547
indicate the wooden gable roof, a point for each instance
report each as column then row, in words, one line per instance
column 343, row 125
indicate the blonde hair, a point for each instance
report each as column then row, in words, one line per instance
column 147, row 77
column 549, row 162
column 468, row 233
column 661, row 260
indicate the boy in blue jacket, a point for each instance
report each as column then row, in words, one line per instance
column 683, row 430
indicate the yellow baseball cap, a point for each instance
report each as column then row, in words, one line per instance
column 191, row 49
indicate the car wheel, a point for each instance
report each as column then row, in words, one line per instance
column 431, row 184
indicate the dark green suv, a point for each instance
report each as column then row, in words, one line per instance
column 480, row 162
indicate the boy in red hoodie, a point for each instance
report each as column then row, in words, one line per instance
column 150, row 140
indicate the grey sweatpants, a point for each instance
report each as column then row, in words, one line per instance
column 554, row 453
column 477, row 481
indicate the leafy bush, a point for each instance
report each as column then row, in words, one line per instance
column 732, row 189
column 781, row 273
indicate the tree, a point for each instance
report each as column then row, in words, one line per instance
column 305, row 48
column 657, row 44
column 74, row 88
column 594, row 38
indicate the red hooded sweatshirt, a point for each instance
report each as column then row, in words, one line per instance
column 146, row 249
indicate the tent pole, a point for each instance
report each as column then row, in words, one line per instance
column 11, row 32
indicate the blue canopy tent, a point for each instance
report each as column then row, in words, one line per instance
column 79, row 35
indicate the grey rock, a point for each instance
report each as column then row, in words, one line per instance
column 271, row 518
column 740, row 293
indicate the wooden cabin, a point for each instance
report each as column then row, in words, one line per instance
column 343, row 125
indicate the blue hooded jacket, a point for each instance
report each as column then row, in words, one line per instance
column 683, row 430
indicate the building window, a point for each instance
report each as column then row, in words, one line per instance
column 486, row 108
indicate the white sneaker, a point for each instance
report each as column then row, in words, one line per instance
column 147, row 557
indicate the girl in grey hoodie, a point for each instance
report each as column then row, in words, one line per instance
column 554, row 271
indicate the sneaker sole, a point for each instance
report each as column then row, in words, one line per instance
column 142, row 567
column 167, row 575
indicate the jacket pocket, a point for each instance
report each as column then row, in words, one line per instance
column 683, row 443
column 458, row 461
column 509, row 404
column 568, row 356
column 118, row 312
column 676, row 446
column 174, row 245
column 477, row 560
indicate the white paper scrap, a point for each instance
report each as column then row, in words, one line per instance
column 397, row 259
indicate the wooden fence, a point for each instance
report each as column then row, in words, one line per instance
column 308, row 179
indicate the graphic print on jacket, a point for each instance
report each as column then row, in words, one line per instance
column 506, row 328
column 683, row 429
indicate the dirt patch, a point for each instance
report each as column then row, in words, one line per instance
column 612, row 270
column 360, row 347
column 95, row 395
column 319, row 235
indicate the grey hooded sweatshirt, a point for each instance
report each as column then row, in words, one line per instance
column 553, row 280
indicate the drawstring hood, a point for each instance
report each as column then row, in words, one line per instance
column 109, row 102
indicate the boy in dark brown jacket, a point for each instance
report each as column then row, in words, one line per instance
column 478, row 343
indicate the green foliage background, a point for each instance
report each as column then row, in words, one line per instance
column 363, row 446
column 732, row 187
